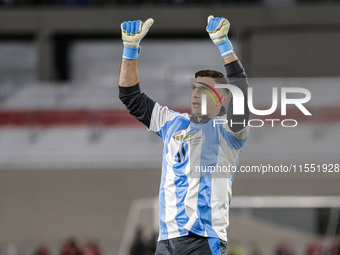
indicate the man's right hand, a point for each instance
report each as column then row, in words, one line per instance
column 132, row 33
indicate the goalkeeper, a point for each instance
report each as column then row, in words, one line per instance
column 193, row 210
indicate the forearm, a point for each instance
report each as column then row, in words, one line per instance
column 138, row 104
column 231, row 58
column 128, row 75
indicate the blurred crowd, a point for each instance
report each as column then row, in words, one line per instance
column 71, row 247
column 147, row 246
column 314, row 247
column 123, row 2
column 142, row 245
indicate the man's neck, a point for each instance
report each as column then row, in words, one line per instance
column 200, row 118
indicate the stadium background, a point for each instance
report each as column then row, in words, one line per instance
column 74, row 164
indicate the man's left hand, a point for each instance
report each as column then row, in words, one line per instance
column 218, row 29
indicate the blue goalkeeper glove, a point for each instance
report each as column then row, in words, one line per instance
column 132, row 33
column 218, row 29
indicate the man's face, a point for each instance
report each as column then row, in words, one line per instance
column 198, row 88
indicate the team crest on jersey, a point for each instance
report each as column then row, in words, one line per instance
column 183, row 138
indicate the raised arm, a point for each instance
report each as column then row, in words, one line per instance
column 132, row 33
column 218, row 29
column 138, row 104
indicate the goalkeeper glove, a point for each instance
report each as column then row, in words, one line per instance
column 218, row 29
column 132, row 33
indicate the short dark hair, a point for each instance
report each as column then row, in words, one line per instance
column 219, row 77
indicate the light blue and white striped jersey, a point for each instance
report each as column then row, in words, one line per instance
column 188, row 202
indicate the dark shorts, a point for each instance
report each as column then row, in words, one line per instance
column 193, row 245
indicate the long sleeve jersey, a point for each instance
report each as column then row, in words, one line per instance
column 199, row 161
